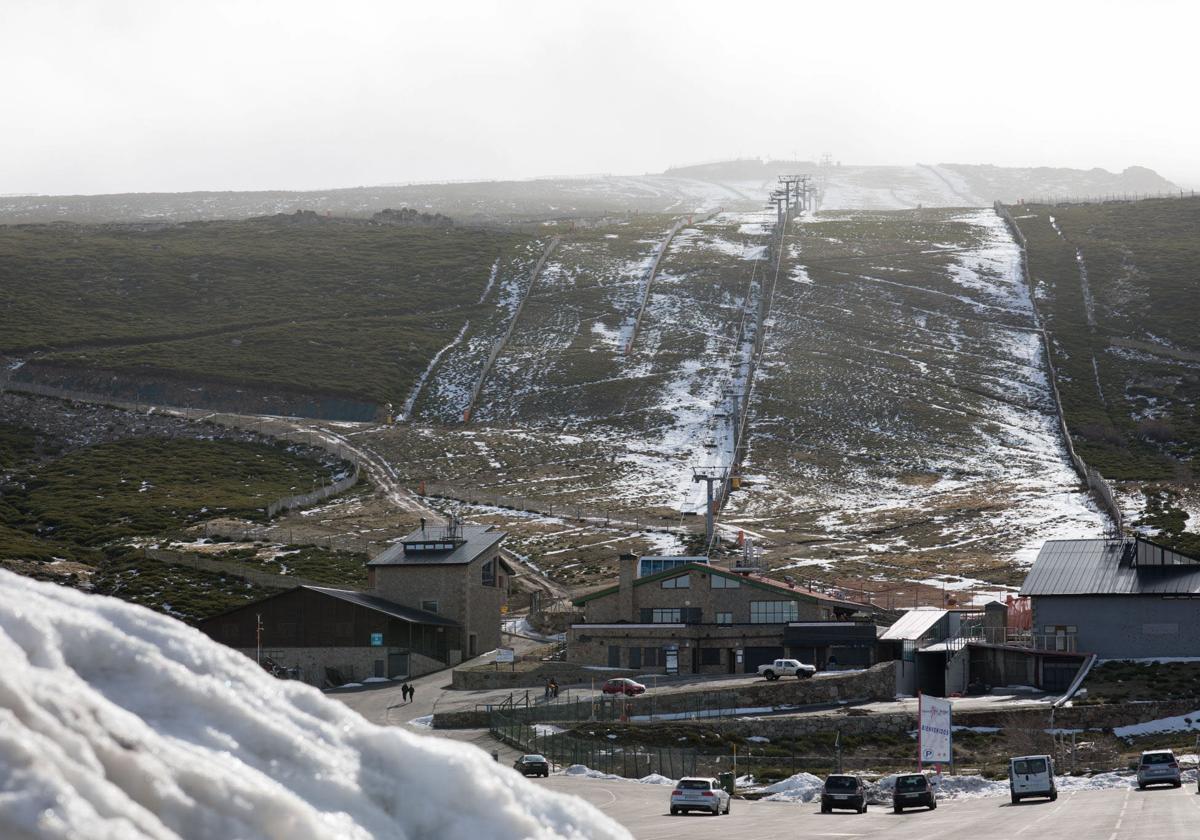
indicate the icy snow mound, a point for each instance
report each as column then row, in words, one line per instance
column 117, row 722
column 802, row 787
column 582, row 770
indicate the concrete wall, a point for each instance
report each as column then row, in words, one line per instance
column 1124, row 627
column 354, row 663
column 700, row 594
column 473, row 679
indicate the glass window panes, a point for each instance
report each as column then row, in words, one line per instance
column 720, row 582
column 773, row 612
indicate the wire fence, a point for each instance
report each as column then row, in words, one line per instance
column 628, row 760
column 290, row 536
column 606, row 517
column 1100, row 488
column 1107, row 198
column 645, row 708
column 637, row 761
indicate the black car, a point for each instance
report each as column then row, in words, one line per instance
column 533, row 765
column 844, row 792
column 913, row 790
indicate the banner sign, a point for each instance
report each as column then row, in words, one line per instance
column 504, row 654
column 933, row 734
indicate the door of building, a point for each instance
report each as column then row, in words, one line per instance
column 397, row 665
column 378, row 668
column 672, row 657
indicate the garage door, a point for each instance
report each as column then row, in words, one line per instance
column 756, row 656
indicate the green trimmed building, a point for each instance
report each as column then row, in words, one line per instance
column 699, row 619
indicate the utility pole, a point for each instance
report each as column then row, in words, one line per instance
column 258, row 628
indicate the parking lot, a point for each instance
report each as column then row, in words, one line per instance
column 1161, row 813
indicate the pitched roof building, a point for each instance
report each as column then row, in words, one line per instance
column 699, row 618
column 1119, row 599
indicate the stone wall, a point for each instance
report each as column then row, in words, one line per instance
column 354, row 663
column 564, row 673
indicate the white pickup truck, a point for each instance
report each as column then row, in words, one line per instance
column 786, row 668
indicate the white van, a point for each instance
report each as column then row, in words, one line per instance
column 1031, row 775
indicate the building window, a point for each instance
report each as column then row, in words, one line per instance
column 773, row 612
column 671, row 615
column 724, row 618
column 720, row 582
column 429, row 606
column 710, row 656
column 489, row 573
column 635, row 657
column 652, row 657
column 681, row 582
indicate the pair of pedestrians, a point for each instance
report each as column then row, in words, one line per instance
column 407, row 691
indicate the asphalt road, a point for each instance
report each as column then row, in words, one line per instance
column 1155, row 814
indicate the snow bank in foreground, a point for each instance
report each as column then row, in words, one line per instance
column 116, row 722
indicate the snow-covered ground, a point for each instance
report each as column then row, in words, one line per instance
column 116, row 722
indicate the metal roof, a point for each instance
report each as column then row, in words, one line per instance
column 1111, row 567
column 913, row 624
column 475, row 541
column 412, row 616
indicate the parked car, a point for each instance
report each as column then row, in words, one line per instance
column 699, row 794
column 786, row 668
column 844, row 792
column 1031, row 775
column 623, row 685
column 1158, row 767
column 913, row 790
column 533, row 765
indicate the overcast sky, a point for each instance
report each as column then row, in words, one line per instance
column 148, row 95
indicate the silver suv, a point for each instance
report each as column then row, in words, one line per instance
column 1158, row 767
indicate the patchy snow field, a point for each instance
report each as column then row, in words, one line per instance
column 902, row 418
column 116, row 722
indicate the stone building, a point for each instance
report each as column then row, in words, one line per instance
column 698, row 618
column 454, row 571
column 433, row 600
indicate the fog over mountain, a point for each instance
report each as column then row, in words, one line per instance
column 137, row 96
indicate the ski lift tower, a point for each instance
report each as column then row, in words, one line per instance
column 710, row 476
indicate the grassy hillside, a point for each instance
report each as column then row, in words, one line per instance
column 350, row 307
column 69, row 518
column 1117, row 285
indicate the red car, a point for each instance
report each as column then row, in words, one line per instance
column 621, row 685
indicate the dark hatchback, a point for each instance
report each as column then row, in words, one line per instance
column 844, row 792
column 533, row 765
column 913, row 791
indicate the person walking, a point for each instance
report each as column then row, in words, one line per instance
column 411, row 691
